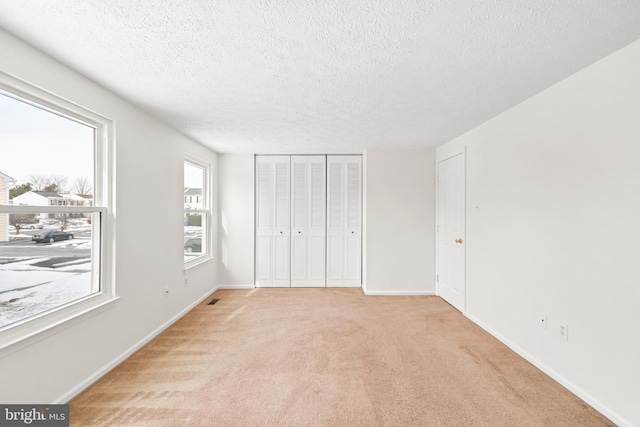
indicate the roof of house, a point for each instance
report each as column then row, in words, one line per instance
column 46, row 193
column 78, row 197
column 6, row 177
column 51, row 194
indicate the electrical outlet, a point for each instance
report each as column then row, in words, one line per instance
column 564, row 331
column 186, row 281
column 542, row 320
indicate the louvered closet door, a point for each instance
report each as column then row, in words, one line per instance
column 272, row 221
column 308, row 225
column 344, row 221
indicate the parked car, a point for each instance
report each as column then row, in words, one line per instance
column 193, row 244
column 51, row 236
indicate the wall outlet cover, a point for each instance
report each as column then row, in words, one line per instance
column 564, row 331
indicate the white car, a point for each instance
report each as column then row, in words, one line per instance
column 32, row 226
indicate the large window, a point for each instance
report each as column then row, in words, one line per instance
column 55, row 189
column 196, row 212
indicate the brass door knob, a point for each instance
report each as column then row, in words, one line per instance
column 459, row 241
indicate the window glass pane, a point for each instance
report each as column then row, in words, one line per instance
column 193, row 186
column 43, row 267
column 193, row 235
column 46, row 159
column 195, row 202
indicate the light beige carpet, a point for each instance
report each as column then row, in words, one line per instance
column 327, row 357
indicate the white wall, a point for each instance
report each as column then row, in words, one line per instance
column 398, row 231
column 149, row 239
column 553, row 208
column 236, row 214
column 400, row 221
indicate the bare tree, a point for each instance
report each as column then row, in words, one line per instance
column 81, row 186
column 37, row 182
column 49, row 183
column 64, row 220
column 57, row 184
column 19, row 220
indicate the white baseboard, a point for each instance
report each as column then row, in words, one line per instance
column 398, row 293
column 115, row 362
column 589, row 399
column 236, row 286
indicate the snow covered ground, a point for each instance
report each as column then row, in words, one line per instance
column 41, row 291
column 35, row 278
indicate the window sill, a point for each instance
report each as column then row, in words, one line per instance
column 199, row 261
column 15, row 337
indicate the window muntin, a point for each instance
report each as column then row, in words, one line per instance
column 196, row 212
column 65, row 152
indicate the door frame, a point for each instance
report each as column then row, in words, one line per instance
column 441, row 157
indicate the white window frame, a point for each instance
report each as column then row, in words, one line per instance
column 205, row 211
column 23, row 332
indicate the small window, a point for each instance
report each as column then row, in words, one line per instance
column 197, row 214
column 54, row 210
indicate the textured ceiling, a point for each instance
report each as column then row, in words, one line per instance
column 332, row 76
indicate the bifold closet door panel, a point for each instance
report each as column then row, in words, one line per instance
column 344, row 221
column 282, row 224
column 308, row 224
column 353, row 251
column 272, row 221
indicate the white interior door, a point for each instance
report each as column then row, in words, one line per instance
column 451, row 230
column 272, row 221
column 308, row 226
column 344, row 221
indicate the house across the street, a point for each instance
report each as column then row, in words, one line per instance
column 45, row 198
